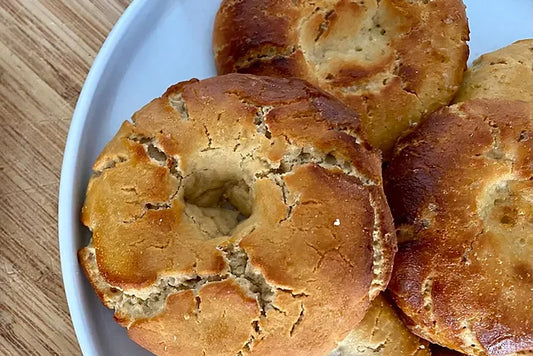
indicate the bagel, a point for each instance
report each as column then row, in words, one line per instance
column 391, row 61
column 503, row 74
column 381, row 333
column 238, row 215
column 460, row 187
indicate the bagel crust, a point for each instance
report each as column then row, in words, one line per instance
column 503, row 74
column 382, row 333
column 238, row 215
column 461, row 191
column 392, row 61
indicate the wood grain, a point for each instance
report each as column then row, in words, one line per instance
column 46, row 50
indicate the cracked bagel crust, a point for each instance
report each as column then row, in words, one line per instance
column 460, row 189
column 238, row 215
column 381, row 333
column 392, row 61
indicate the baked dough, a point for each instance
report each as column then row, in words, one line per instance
column 503, row 74
column 392, row 61
column 461, row 191
column 382, row 333
column 238, row 215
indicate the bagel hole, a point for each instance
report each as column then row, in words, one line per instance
column 215, row 204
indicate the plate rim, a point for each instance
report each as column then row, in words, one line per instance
column 69, row 167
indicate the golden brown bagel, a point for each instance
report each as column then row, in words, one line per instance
column 391, row 60
column 461, row 191
column 238, row 214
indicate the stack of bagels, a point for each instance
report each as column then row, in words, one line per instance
column 343, row 187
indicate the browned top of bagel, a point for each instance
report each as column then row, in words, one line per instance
column 239, row 214
column 506, row 73
column 461, row 191
column 391, row 60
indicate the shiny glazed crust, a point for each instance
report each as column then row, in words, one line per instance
column 238, row 214
column 391, row 60
column 461, row 191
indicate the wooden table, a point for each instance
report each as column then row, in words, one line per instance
column 46, row 50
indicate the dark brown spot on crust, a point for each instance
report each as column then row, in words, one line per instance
column 523, row 272
column 410, row 78
column 350, row 75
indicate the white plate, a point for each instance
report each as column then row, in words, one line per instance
column 157, row 43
